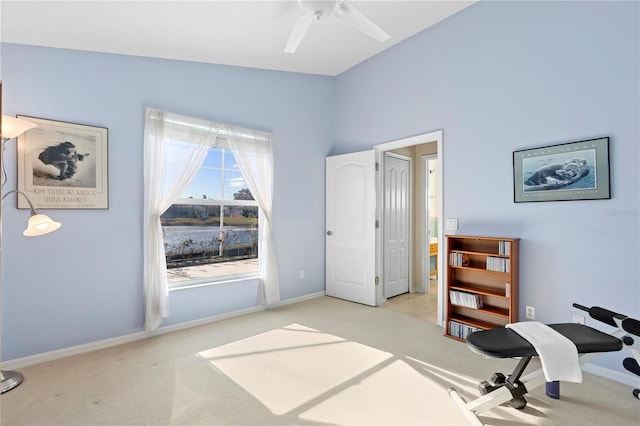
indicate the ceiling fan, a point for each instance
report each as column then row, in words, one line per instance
column 315, row 10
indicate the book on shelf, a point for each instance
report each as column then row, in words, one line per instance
column 499, row 264
column 459, row 259
column 462, row 298
column 461, row 330
column 504, row 248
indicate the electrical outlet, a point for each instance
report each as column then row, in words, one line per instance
column 452, row 224
column 577, row 319
column 530, row 312
column 302, row 275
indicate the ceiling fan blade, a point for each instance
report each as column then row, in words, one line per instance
column 298, row 32
column 352, row 16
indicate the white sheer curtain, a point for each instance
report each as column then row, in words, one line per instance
column 174, row 149
column 253, row 152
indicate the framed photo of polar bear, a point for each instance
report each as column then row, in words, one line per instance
column 63, row 165
column 563, row 172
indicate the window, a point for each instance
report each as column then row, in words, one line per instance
column 178, row 148
column 211, row 230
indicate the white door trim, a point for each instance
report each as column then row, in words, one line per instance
column 426, row 260
column 435, row 136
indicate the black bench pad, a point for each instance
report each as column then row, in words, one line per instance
column 503, row 342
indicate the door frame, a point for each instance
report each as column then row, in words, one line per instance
column 426, row 260
column 435, row 136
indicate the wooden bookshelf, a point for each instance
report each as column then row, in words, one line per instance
column 481, row 283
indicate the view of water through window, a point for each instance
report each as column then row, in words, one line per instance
column 212, row 229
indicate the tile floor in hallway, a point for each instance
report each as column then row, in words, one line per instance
column 418, row 305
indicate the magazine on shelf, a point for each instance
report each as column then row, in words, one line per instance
column 462, row 298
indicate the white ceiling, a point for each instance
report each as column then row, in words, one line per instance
column 244, row 33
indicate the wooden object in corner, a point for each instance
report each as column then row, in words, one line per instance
column 481, row 283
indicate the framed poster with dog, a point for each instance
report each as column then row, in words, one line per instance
column 563, row 172
column 63, row 165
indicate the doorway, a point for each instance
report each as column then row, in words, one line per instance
column 355, row 226
column 425, row 296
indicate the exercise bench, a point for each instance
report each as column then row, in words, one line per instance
column 504, row 342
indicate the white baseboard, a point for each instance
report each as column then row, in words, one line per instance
column 206, row 320
column 115, row 341
column 298, row 299
column 73, row 350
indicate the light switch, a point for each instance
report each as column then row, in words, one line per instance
column 452, row 224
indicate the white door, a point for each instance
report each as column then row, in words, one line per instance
column 397, row 192
column 350, row 233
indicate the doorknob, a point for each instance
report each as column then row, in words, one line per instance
column 329, row 233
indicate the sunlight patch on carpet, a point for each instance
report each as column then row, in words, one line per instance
column 394, row 395
column 287, row 367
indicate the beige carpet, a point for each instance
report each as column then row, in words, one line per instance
column 323, row 361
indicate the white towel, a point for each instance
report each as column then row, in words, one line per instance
column 559, row 355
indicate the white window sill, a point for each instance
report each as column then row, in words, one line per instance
column 213, row 274
column 211, row 282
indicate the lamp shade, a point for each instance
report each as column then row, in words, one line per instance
column 40, row 224
column 14, row 127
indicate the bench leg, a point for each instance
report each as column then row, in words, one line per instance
column 503, row 394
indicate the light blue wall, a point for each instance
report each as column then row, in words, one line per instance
column 84, row 282
column 503, row 76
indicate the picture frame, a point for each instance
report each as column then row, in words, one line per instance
column 63, row 165
column 563, row 172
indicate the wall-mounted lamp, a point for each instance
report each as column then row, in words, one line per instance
column 14, row 127
column 39, row 224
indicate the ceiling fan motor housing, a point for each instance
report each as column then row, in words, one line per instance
column 314, row 10
column 318, row 8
